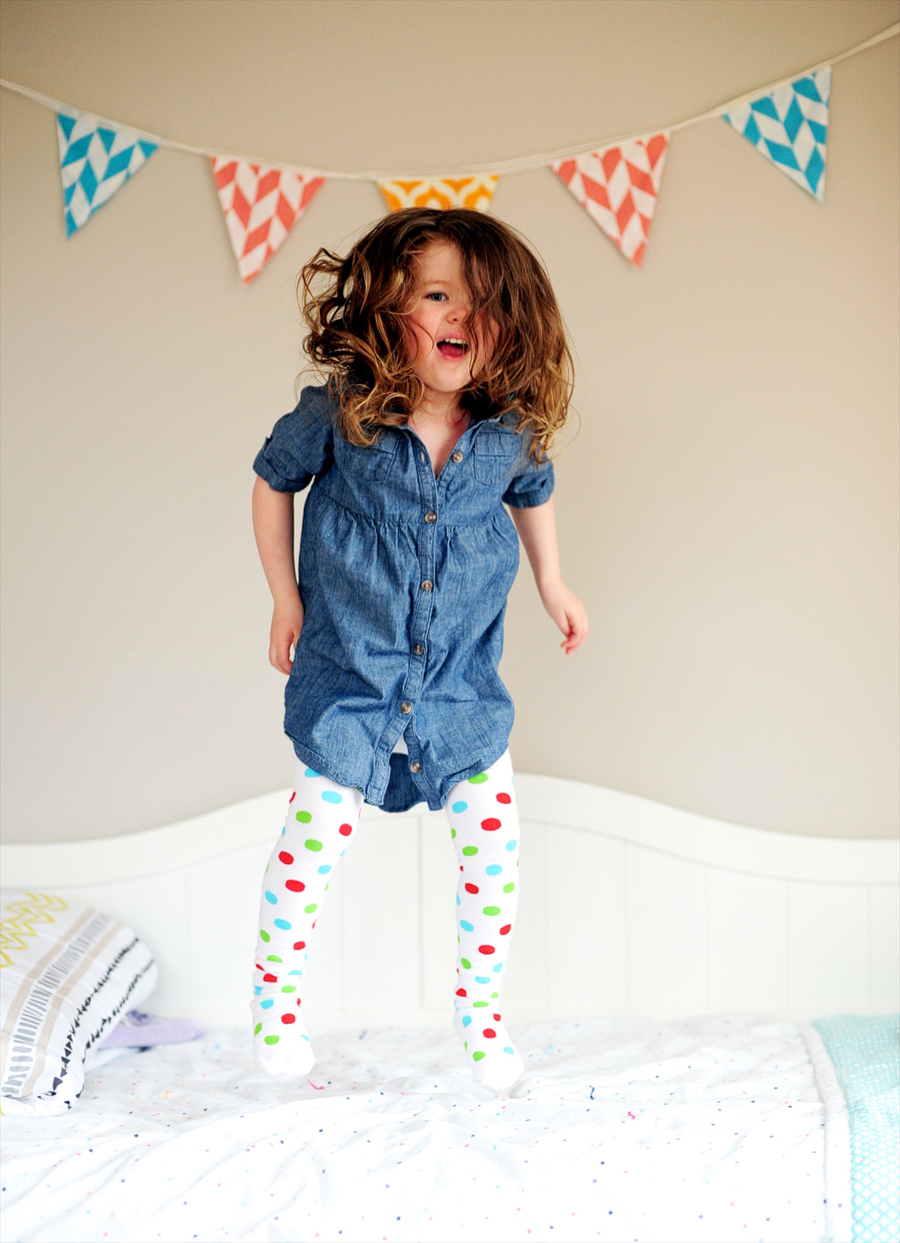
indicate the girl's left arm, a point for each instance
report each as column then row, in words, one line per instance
column 536, row 525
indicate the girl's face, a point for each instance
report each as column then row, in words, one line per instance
column 443, row 353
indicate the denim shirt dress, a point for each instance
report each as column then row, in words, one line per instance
column 404, row 579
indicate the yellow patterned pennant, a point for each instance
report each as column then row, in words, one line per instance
column 22, row 919
column 475, row 192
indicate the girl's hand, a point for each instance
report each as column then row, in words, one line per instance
column 568, row 612
column 287, row 622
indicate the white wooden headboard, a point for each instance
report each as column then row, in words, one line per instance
column 627, row 907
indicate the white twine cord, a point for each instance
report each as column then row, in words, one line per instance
column 519, row 164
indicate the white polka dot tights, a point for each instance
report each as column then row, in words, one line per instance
column 321, row 822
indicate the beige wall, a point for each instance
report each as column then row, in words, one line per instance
column 727, row 504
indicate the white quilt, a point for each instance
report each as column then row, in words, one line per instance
column 621, row 1130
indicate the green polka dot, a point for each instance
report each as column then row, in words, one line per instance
column 477, row 780
column 288, row 988
column 263, row 935
column 312, row 844
column 492, row 910
column 493, row 995
column 313, row 906
column 465, row 962
column 509, row 888
column 271, row 1040
column 470, row 850
column 304, row 816
column 476, row 1056
column 452, row 834
column 481, row 1003
column 273, row 958
column 257, row 1029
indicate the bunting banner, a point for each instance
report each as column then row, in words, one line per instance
column 95, row 159
column 616, row 181
column 789, row 126
column 618, row 188
column 443, row 192
column 261, row 205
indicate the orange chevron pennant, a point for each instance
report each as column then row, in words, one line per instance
column 443, row 192
column 261, row 205
column 618, row 188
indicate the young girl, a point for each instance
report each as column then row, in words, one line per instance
column 449, row 375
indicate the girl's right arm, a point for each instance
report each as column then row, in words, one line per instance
column 273, row 526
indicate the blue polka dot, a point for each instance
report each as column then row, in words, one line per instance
column 499, row 966
column 282, row 923
column 482, row 979
column 332, row 796
column 296, row 971
column 267, row 1005
column 270, row 897
column 512, row 845
column 508, row 1049
column 458, row 903
column 464, row 924
column 284, row 830
column 467, row 1019
column 258, row 989
column 494, row 869
column 326, row 867
column 311, row 772
column 459, row 806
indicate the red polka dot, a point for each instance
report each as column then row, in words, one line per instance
column 503, row 798
column 291, row 799
column 295, row 886
column 292, row 1018
column 285, row 857
column 298, row 1001
column 486, row 949
column 461, row 992
column 489, row 1033
column 490, row 825
column 299, row 945
column 496, row 1018
column 268, row 978
column 471, row 888
column 345, row 830
column 505, row 929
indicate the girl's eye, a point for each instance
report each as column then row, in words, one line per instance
column 436, row 294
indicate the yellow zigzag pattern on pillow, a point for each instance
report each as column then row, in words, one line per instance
column 442, row 192
column 35, row 910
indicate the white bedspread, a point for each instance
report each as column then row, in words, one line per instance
column 702, row 1129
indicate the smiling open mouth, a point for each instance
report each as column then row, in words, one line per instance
column 453, row 347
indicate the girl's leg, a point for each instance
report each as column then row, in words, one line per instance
column 484, row 825
column 321, row 818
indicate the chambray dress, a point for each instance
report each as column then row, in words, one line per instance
column 404, row 579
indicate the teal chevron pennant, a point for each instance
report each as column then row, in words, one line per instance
column 789, row 126
column 95, row 159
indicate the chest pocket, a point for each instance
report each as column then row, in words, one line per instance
column 493, row 455
column 374, row 462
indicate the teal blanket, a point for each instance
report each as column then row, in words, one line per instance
column 865, row 1052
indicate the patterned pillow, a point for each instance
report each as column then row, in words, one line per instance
column 68, row 974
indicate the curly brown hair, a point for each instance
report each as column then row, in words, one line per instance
column 355, row 308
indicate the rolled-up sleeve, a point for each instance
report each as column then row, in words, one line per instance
column 532, row 484
column 301, row 445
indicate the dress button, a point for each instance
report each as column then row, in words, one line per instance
column 415, row 767
column 419, row 649
column 406, row 707
column 430, row 516
column 427, row 584
column 457, row 456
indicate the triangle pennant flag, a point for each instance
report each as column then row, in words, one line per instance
column 95, row 159
column 618, row 188
column 261, row 205
column 474, row 192
column 789, row 126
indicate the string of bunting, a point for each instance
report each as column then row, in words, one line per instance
column 616, row 181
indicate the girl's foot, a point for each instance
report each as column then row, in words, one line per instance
column 492, row 1055
column 281, row 1046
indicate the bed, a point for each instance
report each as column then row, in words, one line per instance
column 689, row 1070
